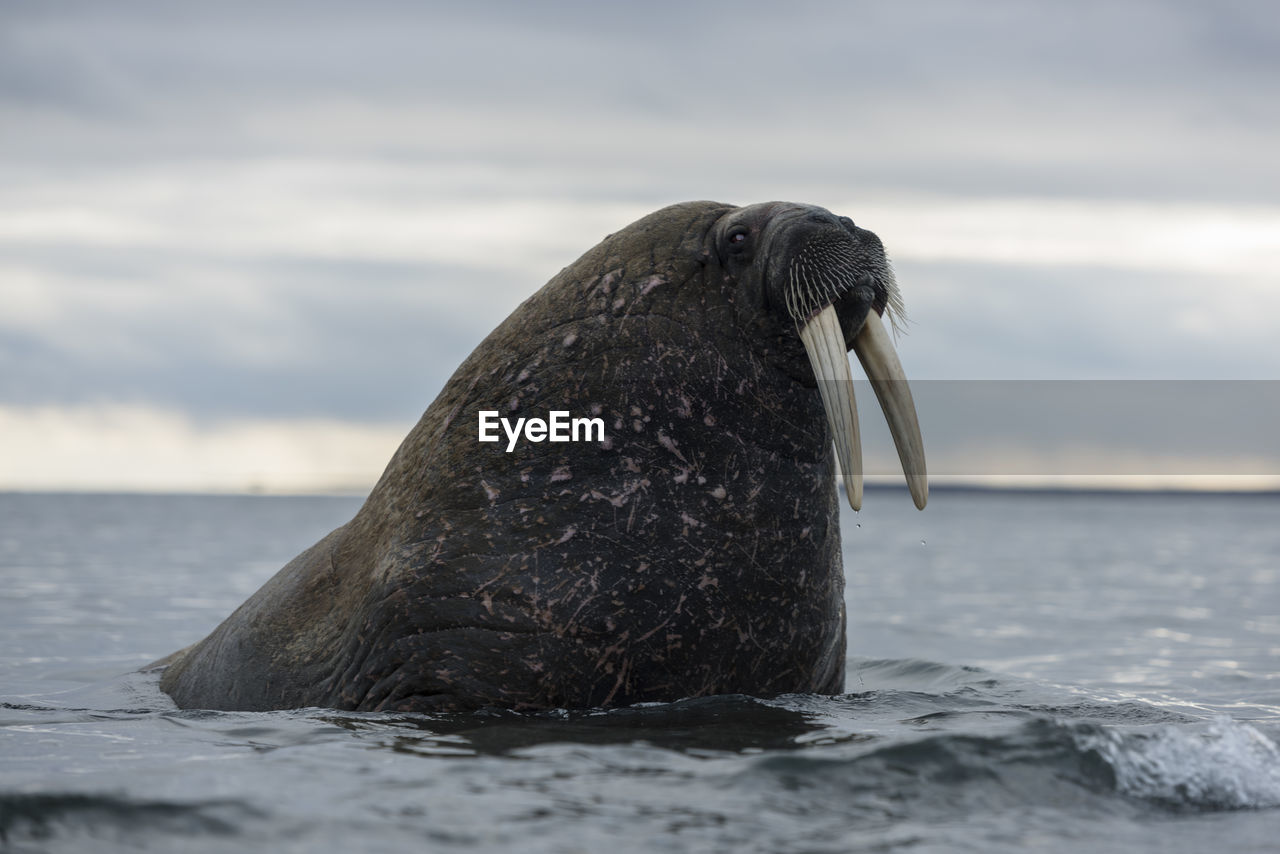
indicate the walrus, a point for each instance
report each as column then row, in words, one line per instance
column 693, row 549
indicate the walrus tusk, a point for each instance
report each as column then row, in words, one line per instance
column 824, row 342
column 880, row 361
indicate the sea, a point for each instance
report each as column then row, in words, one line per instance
column 1028, row 671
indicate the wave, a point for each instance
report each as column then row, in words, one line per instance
column 1219, row 766
column 38, row 815
column 919, row 745
column 1223, row 765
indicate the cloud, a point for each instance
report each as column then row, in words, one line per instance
column 286, row 213
column 1086, row 433
column 1014, row 321
column 215, row 336
column 138, row 448
column 1158, row 99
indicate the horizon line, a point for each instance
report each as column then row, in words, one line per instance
column 1145, row 488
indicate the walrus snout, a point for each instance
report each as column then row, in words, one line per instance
column 820, row 259
column 833, row 281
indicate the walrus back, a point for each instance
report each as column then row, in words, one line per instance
column 274, row 650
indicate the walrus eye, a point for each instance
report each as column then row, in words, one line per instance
column 737, row 238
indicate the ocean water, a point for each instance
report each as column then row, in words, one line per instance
column 1028, row 671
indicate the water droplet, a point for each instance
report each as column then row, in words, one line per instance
column 922, row 542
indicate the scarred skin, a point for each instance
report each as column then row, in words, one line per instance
column 695, row 551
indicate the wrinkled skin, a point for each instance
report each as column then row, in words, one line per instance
column 695, row 551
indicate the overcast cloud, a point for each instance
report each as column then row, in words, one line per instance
column 234, row 227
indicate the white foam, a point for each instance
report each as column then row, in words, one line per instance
column 1223, row 765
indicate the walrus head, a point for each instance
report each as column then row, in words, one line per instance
column 831, row 280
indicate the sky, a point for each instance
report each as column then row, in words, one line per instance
column 244, row 244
